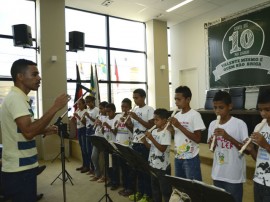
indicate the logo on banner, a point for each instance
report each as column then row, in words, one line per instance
column 241, row 48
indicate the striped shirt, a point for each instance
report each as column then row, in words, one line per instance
column 19, row 154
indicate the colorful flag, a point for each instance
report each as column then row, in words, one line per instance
column 116, row 72
column 78, row 91
column 94, row 84
column 97, row 86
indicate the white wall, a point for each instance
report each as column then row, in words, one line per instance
column 189, row 49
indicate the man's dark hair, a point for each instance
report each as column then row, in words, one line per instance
column 20, row 66
column 223, row 96
column 264, row 96
column 128, row 101
column 162, row 113
column 140, row 91
column 111, row 106
column 103, row 104
column 184, row 90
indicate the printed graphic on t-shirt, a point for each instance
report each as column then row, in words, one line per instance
column 185, row 150
column 262, row 172
column 222, row 156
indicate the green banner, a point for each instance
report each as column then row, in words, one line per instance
column 239, row 51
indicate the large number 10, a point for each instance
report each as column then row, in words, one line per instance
column 246, row 40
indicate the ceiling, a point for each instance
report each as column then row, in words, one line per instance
column 145, row 10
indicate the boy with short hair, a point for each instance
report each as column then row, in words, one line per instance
column 229, row 168
column 124, row 137
column 109, row 132
column 159, row 141
column 142, row 119
column 89, row 119
column 187, row 126
column 262, row 154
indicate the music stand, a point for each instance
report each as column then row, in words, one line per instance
column 103, row 145
column 199, row 191
column 65, row 175
column 66, row 136
column 136, row 162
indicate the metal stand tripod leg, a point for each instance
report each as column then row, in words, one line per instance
column 106, row 195
column 67, row 177
column 66, row 158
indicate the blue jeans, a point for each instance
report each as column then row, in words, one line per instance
column 89, row 147
column 115, row 170
column 160, row 186
column 20, row 186
column 125, row 168
column 144, row 179
column 82, row 142
column 188, row 168
column 95, row 160
column 236, row 190
column 261, row 193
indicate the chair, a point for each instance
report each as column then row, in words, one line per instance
column 209, row 99
column 238, row 96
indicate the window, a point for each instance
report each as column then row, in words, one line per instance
column 11, row 15
column 121, row 65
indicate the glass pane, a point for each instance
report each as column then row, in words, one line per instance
column 169, row 41
column 84, row 59
column 10, row 53
column 130, row 66
column 127, row 34
column 5, row 88
column 121, row 91
column 92, row 25
column 16, row 12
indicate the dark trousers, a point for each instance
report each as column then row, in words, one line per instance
column 89, row 147
column 115, row 170
column 144, row 179
column 261, row 193
column 20, row 186
column 82, row 143
column 160, row 186
column 125, row 168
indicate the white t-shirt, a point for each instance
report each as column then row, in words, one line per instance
column 262, row 171
column 124, row 135
column 80, row 114
column 18, row 153
column 108, row 134
column 158, row 159
column 146, row 113
column 228, row 165
column 92, row 113
column 186, row 148
column 98, row 131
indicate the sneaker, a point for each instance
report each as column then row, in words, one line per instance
column 145, row 198
column 121, row 192
column 94, row 179
column 100, row 180
column 138, row 196
column 114, row 187
column 127, row 192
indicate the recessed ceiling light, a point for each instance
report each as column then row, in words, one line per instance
column 178, row 5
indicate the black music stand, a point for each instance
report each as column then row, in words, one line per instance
column 135, row 160
column 103, row 145
column 199, row 191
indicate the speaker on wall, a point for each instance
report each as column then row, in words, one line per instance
column 22, row 35
column 76, row 41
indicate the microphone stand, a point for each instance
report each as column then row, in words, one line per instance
column 65, row 175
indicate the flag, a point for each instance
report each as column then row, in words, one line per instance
column 97, row 86
column 78, row 91
column 94, row 84
column 116, row 72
